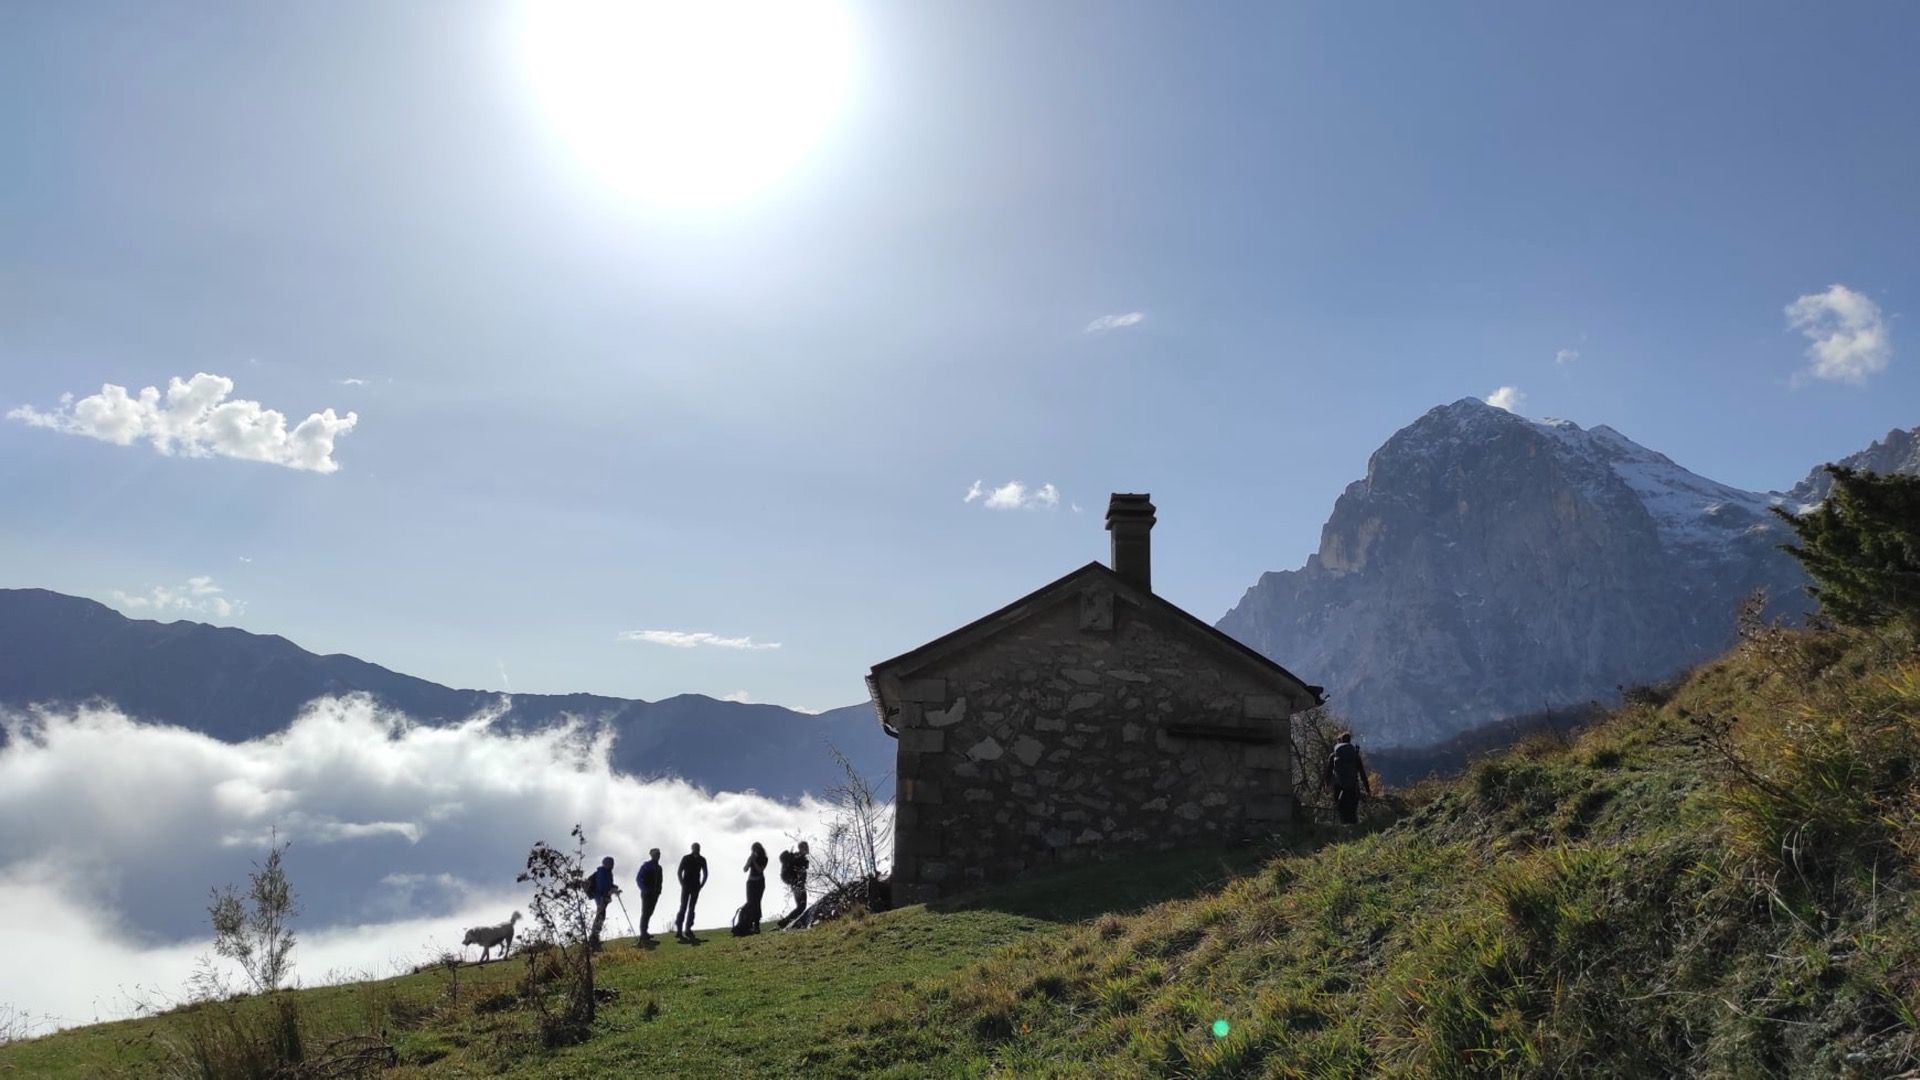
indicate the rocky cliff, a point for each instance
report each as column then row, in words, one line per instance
column 1490, row 565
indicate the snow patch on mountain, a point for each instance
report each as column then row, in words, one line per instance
column 1689, row 510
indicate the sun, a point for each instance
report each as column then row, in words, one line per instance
column 697, row 101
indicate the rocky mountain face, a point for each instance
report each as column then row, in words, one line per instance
column 234, row 686
column 1489, row 565
column 1898, row 453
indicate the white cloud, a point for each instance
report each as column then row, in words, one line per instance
column 199, row 596
column 196, row 418
column 1566, row 356
column 1509, row 398
column 1114, row 322
column 1014, row 495
column 1850, row 337
column 350, row 381
column 401, row 836
column 739, row 697
column 694, row 639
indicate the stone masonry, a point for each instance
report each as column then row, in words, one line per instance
column 1089, row 717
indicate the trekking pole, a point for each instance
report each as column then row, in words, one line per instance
column 624, row 915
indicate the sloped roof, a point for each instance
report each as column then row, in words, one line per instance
column 1053, row 592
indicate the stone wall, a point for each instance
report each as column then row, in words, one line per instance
column 1084, row 729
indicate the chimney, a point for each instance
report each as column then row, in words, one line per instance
column 1130, row 520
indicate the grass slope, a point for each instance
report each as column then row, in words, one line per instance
column 758, row 1006
column 1717, row 880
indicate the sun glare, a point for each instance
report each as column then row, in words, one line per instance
column 701, row 101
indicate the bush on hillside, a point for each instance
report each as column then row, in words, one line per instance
column 559, row 979
column 256, row 931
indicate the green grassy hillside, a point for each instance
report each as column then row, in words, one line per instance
column 1717, row 880
column 760, row 1006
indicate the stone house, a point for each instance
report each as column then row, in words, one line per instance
column 1086, row 716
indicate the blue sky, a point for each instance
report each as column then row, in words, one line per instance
column 581, row 410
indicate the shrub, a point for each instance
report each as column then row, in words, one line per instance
column 562, row 951
column 256, row 932
column 239, row 1040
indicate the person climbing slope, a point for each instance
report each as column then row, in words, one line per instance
column 1346, row 771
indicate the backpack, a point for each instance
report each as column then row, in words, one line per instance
column 787, row 871
column 1344, row 764
column 743, row 924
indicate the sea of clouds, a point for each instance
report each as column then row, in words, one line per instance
column 113, row 833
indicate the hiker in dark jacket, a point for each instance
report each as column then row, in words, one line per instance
column 649, row 880
column 756, row 869
column 1346, row 771
column 693, row 877
column 793, row 874
column 601, row 890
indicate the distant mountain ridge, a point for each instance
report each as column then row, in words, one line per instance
column 1489, row 565
column 235, row 685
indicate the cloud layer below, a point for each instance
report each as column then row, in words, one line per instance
column 197, row 417
column 112, row 832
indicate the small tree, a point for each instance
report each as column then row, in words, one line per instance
column 1862, row 548
column 859, row 829
column 256, row 930
column 561, row 921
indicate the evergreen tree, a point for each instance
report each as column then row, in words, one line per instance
column 1862, row 548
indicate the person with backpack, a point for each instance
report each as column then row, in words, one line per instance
column 793, row 874
column 747, row 920
column 693, row 878
column 601, row 890
column 1346, row 771
column 649, row 880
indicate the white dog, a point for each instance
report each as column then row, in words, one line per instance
column 488, row 936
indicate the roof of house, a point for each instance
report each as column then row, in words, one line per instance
column 1045, row 597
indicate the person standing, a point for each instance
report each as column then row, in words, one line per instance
column 1347, row 772
column 693, row 878
column 756, row 869
column 601, row 890
column 649, row 879
column 793, row 873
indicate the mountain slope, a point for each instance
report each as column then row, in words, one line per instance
column 1489, row 565
column 236, row 685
